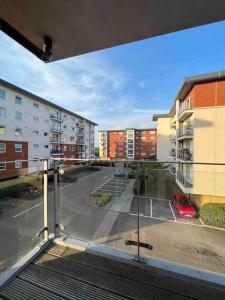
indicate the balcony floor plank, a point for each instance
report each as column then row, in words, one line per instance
column 150, row 275
column 64, row 273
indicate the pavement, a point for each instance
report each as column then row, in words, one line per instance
column 172, row 239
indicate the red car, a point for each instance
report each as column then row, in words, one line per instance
column 183, row 206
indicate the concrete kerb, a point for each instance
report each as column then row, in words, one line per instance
column 209, row 226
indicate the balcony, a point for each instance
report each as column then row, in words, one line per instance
column 172, row 153
column 56, row 117
column 54, row 140
column 80, row 141
column 184, row 154
column 173, row 123
column 185, row 109
column 56, row 129
column 173, row 138
column 97, row 250
column 56, row 152
column 183, row 180
column 80, row 134
column 185, row 133
column 80, row 125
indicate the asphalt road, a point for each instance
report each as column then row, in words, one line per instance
column 172, row 240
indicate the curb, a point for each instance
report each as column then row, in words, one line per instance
column 212, row 227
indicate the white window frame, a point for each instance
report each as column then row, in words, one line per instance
column 3, row 150
column 21, row 148
column 2, row 116
column 36, row 146
column 2, row 127
column 18, row 164
column 20, row 100
column 1, row 169
column 19, row 131
column 35, row 119
column 18, row 113
column 4, row 93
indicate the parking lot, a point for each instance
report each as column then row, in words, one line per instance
column 114, row 185
column 159, row 209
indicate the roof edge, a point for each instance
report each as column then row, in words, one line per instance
column 42, row 100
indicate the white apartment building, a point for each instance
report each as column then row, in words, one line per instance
column 34, row 128
column 197, row 137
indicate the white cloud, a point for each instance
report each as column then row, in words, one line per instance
column 88, row 85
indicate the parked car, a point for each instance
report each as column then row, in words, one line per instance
column 183, row 206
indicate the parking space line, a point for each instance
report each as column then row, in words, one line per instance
column 102, row 189
column 166, row 220
column 151, row 207
column 172, row 211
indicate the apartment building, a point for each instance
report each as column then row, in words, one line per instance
column 197, row 134
column 34, row 128
column 134, row 144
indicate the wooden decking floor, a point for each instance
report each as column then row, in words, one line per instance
column 64, row 273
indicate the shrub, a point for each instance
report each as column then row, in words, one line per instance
column 213, row 214
column 101, row 199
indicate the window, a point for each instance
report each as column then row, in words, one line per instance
column 71, row 148
column 36, row 146
column 46, row 146
column 73, row 128
column 18, row 147
column 18, row 132
column 64, row 148
column 72, row 138
column 2, row 167
column 36, row 132
column 18, row 116
column 18, row 100
column 35, row 104
column 45, row 133
column 18, row 164
column 2, row 94
column 2, row 112
column 72, row 156
column 36, row 119
column 65, row 127
column 2, row 130
column 2, row 148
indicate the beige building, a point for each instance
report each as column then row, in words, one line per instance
column 197, row 136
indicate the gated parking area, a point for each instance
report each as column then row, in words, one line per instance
column 115, row 185
column 159, row 209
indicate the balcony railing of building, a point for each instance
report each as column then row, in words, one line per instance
column 185, row 154
column 185, row 132
column 56, row 140
column 56, row 129
column 172, row 152
column 115, row 204
column 56, row 152
column 80, row 141
column 185, row 109
column 184, row 180
column 56, row 117
column 172, row 138
column 80, row 133
column 173, row 122
column 80, row 125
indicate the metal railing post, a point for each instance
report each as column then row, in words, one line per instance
column 46, row 200
column 56, row 197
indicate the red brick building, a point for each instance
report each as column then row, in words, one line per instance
column 128, row 144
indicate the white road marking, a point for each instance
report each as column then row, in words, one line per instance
column 104, row 190
column 25, row 211
column 166, row 220
column 172, row 211
column 151, row 207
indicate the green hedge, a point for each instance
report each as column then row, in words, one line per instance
column 213, row 214
column 101, row 199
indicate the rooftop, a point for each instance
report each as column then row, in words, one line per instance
column 42, row 100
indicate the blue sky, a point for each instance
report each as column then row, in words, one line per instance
column 122, row 86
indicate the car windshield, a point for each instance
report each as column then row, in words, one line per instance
column 183, row 202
